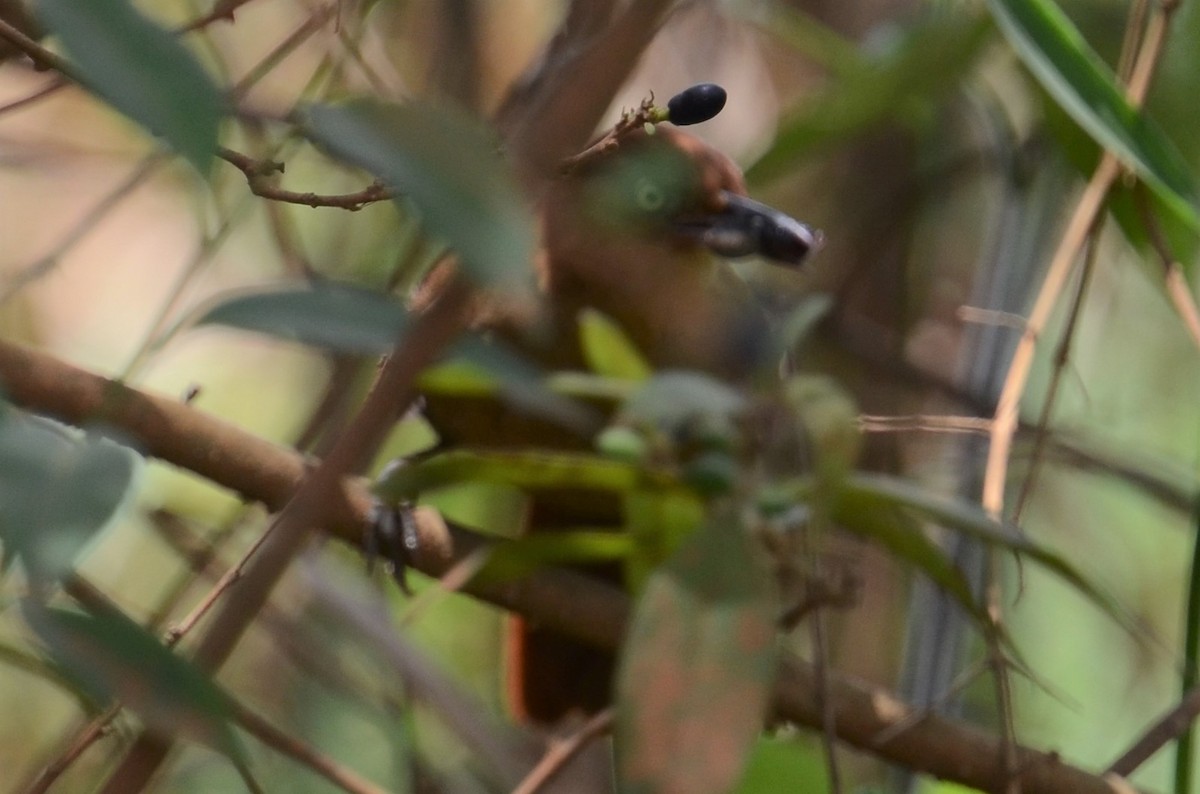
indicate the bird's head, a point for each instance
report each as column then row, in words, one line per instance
column 640, row 230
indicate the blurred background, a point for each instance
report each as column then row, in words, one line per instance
column 908, row 131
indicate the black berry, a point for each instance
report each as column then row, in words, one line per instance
column 696, row 104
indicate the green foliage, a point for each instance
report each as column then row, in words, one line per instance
column 608, row 351
column 58, row 489
column 141, row 70
column 444, row 163
column 111, row 657
column 1064, row 64
column 334, row 316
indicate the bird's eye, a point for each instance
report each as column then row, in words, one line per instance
column 649, row 196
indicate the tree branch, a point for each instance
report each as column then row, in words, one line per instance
column 566, row 601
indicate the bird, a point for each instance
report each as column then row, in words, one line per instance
column 639, row 226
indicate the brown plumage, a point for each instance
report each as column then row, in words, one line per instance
column 631, row 231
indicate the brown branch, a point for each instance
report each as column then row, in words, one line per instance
column 1166, row 729
column 561, row 752
column 259, row 180
column 311, row 505
column 42, row 58
column 562, row 600
column 223, row 10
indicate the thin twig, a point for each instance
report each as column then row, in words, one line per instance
column 933, row 423
column 309, row 507
column 1178, row 290
column 258, row 179
column 51, row 87
column 1165, row 729
column 42, row 58
column 223, row 10
column 1006, row 418
column 339, row 775
column 560, row 752
column 1061, row 357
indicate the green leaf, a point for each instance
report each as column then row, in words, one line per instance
column 608, row 351
column 109, row 656
column 676, row 402
column 874, row 516
column 334, row 316
column 445, row 162
column 142, row 71
column 696, row 673
column 1063, row 63
column 58, row 489
column 529, row 470
column 516, row 559
column 972, row 520
column 658, row 520
column 777, row 758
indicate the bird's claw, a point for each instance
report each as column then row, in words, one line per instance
column 391, row 535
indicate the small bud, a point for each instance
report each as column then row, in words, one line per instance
column 696, row 104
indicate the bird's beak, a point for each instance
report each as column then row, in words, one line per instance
column 745, row 227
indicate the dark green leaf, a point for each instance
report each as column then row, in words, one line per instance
column 142, row 71
column 696, row 673
column 110, row 656
column 58, row 488
column 528, row 470
column 1061, row 60
column 876, row 517
column 972, row 520
column 334, row 316
column 446, row 164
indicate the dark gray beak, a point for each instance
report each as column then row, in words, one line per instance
column 746, row 227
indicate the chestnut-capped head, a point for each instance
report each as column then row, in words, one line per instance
column 641, row 231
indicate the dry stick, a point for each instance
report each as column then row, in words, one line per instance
column 1082, row 222
column 1178, row 289
column 1086, row 211
column 41, row 57
column 1061, row 356
column 258, row 179
column 505, row 750
column 252, row 722
column 94, row 729
column 929, row 423
column 562, row 751
column 816, row 625
column 1166, row 729
column 564, row 601
column 222, row 10
column 337, row 774
column 310, row 507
